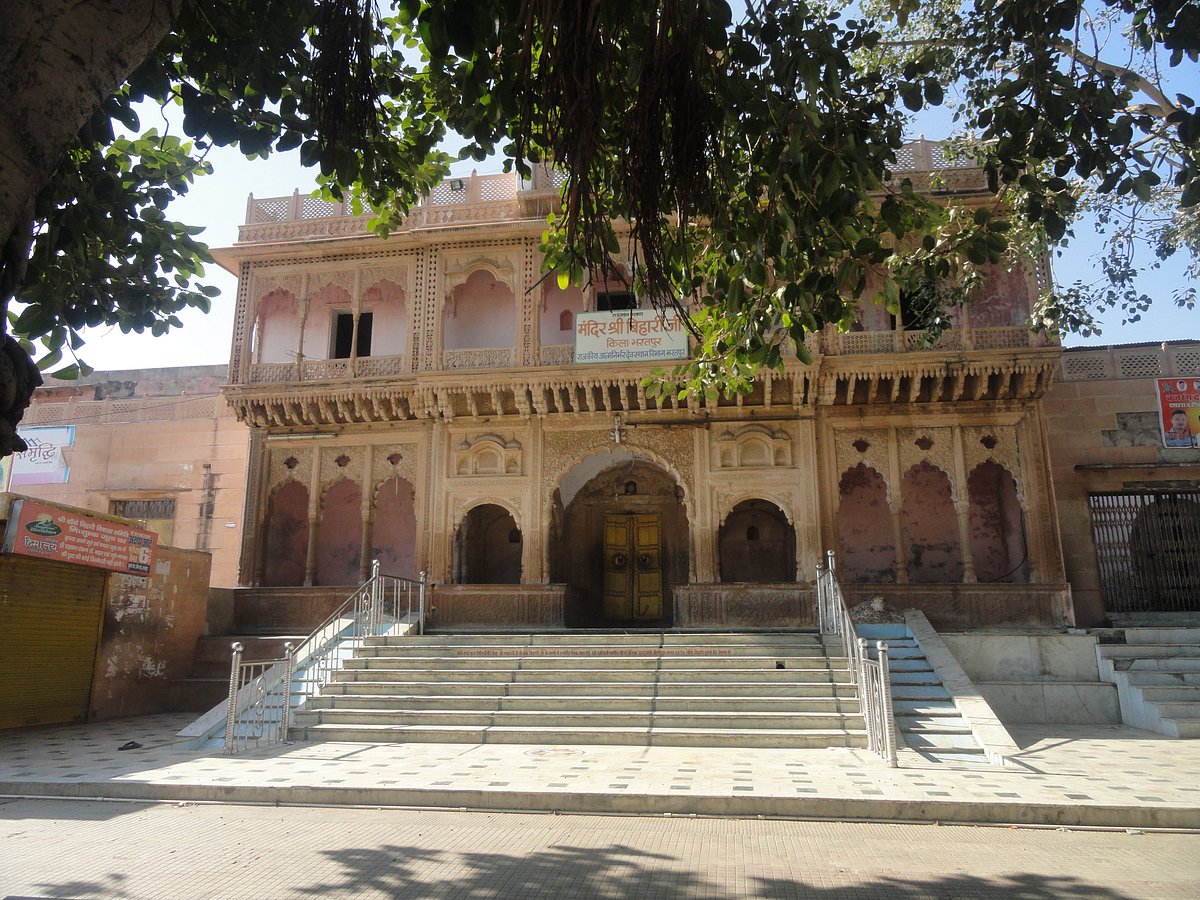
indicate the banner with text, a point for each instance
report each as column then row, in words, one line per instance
column 629, row 335
column 46, row 532
column 1179, row 406
column 43, row 462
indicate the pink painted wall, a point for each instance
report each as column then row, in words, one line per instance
column 339, row 537
column 287, row 536
column 278, row 329
column 929, row 526
column 394, row 535
column 386, row 302
column 554, row 303
column 865, row 532
column 997, row 526
column 482, row 313
column 1002, row 301
column 318, row 327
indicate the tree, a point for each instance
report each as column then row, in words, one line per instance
column 749, row 160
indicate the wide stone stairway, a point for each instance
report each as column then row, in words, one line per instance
column 1157, row 674
column 642, row 689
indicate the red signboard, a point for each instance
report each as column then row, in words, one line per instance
column 1179, row 409
column 49, row 533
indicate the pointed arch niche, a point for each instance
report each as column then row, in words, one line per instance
column 394, row 535
column 277, row 328
column 757, row 544
column 481, row 313
column 865, row 530
column 487, row 547
column 929, row 525
column 286, row 539
column 339, row 538
column 997, row 526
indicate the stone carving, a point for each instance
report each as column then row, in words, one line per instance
column 279, row 470
column 868, row 446
column 727, row 500
column 997, row 443
column 339, row 463
column 753, row 447
column 487, row 454
column 460, row 265
column 463, row 505
column 394, row 459
column 934, row 445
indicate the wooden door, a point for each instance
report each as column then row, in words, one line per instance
column 633, row 577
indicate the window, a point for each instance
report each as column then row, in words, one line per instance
column 343, row 331
column 158, row 514
column 610, row 301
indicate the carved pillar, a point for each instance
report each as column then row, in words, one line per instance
column 368, row 511
column 314, row 518
column 808, row 512
column 534, row 565
column 962, row 507
column 254, row 514
column 705, row 522
column 304, row 302
column 896, row 498
column 356, row 313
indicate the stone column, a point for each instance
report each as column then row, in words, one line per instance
column 314, row 519
column 895, row 487
column 962, row 507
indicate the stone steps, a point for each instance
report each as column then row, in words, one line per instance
column 644, row 689
column 1157, row 674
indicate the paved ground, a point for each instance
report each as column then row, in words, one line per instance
column 1099, row 776
column 88, row 849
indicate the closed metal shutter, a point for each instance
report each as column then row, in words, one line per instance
column 50, row 620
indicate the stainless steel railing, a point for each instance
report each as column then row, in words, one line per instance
column 872, row 677
column 262, row 693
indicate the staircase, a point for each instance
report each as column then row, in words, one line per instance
column 1157, row 674
column 643, row 689
column 926, row 716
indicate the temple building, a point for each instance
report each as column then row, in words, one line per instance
column 431, row 401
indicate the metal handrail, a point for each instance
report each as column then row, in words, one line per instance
column 872, row 677
column 261, row 693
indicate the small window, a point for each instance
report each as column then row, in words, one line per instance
column 159, row 515
column 343, row 330
column 566, row 321
column 610, row 301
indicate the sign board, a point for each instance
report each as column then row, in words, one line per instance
column 1179, row 409
column 43, row 462
column 629, row 335
column 46, row 532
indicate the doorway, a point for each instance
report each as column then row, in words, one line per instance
column 633, row 576
column 622, row 544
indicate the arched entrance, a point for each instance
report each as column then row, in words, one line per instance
column 622, row 545
column 487, row 547
column 757, row 544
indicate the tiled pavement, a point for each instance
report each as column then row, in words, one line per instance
column 1102, row 776
column 185, row 851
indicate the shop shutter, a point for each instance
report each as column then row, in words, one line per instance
column 50, row 620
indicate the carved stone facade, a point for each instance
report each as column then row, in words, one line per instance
column 478, row 429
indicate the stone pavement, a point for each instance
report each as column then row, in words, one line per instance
column 134, row 850
column 1079, row 776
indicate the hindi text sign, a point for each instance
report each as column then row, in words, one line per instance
column 46, row 532
column 1179, row 408
column 629, row 335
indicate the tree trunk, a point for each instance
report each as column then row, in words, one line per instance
column 59, row 60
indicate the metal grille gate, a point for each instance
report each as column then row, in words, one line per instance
column 1148, row 549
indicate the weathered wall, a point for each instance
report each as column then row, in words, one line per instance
column 154, row 434
column 1103, row 435
column 149, row 634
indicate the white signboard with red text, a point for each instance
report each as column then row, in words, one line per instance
column 629, row 335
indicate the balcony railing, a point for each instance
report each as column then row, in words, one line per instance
column 917, row 341
column 479, row 358
column 1132, row 361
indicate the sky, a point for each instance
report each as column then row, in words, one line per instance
column 218, row 202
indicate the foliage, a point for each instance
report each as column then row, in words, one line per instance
column 749, row 161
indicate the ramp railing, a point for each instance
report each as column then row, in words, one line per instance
column 262, row 693
column 872, row 677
